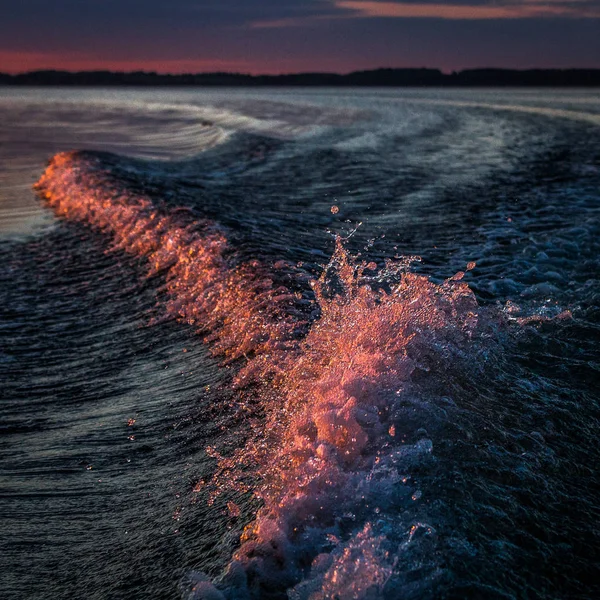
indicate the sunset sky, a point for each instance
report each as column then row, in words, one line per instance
column 275, row 36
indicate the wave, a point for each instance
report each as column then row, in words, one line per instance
column 242, row 309
column 343, row 369
column 592, row 118
column 336, row 461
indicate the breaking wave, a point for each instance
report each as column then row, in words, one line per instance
column 340, row 368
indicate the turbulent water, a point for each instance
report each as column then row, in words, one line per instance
column 304, row 344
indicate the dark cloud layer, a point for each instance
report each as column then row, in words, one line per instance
column 292, row 35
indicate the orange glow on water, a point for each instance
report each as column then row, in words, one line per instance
column 326, row 395
column 238, row 305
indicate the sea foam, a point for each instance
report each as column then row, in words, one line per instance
column 339, row 381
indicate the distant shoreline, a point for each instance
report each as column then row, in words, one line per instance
column 422, row 77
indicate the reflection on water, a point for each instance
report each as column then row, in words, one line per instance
column 189, row 348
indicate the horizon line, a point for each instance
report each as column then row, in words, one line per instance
column 292, row 73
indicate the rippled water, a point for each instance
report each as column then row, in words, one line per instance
column 210, row 322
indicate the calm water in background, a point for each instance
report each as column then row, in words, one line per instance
column 105, row 420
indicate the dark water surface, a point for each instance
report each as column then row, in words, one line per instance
column 438, row 443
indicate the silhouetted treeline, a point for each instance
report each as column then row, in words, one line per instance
column 377, row 77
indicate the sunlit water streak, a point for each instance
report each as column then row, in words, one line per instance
column 385, row 430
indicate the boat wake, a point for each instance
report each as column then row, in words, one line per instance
column 343, row 377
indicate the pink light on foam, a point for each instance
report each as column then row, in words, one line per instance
column 327, row 439
column 237, row 305
column 328, row 422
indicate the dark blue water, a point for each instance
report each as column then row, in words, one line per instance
column 478, row 476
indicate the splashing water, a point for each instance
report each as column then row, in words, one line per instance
column 328, row 461
column 332, row 457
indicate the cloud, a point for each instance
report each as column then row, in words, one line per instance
column 295, row 21
column 291, row 35
column 511, row 9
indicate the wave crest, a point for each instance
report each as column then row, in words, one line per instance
column 341, row 394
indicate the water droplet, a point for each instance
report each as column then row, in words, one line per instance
column 233, row 509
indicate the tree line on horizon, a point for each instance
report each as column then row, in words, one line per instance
column 377, row 77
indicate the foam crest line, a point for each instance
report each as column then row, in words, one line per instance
column 331, row 460
column 238, row 304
